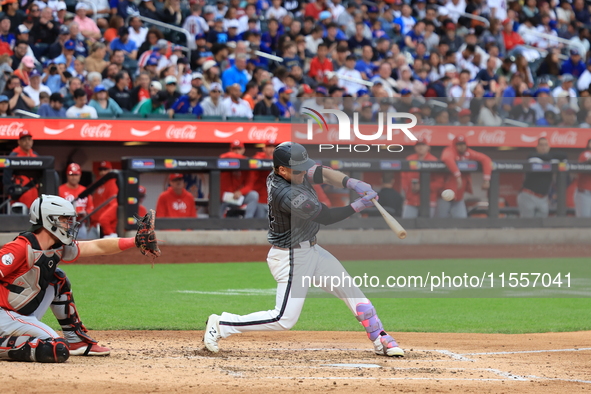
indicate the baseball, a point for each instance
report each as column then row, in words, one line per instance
column 448, row 194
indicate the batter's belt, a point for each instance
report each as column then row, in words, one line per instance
column 304, row 244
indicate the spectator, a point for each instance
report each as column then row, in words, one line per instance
column 55, row 108
column 45, row 30
column 80, row 109
column 35, row 87
column 460, row 182
column 235, row 106
column 103, row 104
column 543, row 103
column 489, row 114
column 583, row 193
column 27, row 191
column 512, row 91
column 176, row 202
column 141, row 91
column 187, row 104
column 574, row 65
column 148, row 9
column 266, row 106
column 53, row 76
column 109, row 188
column 567, row 87
column 195, row 24
column 171, row 13
column 384, row 78
column 20, row 51
column 96, row 61
column 236, row 74
column 320, row 65
column 80, row 41
column 115, row 24
column 120, row 93
column 109, row 75
column 24, row 69
column 153, row 105
column 18, row 99
column 510, row 37
column 522, row 112
column 14, row 14
column 286, row 109
column 79, row 68
column 70, row 191
column 237, row 187
column 217, row 34
column 137, row 33
column 252, row 90
column 464, row 118
column 358, row 41
column 212, row 105
column 411, row 185
column 67, row 56
column 123, row 43
column 4, row 107
column 172, row 95
column 88, row 27
column 349, row 71
column 533, row 198
column 56, row 48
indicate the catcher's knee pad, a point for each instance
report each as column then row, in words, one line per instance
column 368, row 317
column 50, row 350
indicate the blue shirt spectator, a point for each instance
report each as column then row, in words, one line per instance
column 55, row 108
column 573, row 65
column 123, row 44
column 188, row 104
column 236, row 74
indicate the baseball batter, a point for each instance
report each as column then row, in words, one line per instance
column 31, row 283
column 295, row 216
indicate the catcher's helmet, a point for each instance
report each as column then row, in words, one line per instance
column 292, row 155
column 45, row 212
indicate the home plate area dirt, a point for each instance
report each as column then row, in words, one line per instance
column 177, row 362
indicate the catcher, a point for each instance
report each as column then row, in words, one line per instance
column 32, row 283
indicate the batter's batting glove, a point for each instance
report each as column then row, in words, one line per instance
column 145, row 238
column 364, row 202
column 360, row 187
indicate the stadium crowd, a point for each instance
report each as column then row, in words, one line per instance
column 491, row 60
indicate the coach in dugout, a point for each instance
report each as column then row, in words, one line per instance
column 239, row 184
column 411, row 185
column 260, row 177
column 533, row 199
column 460, row 182
column 176, row 201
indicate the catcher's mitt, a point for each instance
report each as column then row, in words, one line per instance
column 145, row 238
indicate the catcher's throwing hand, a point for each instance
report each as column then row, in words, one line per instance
column 145, row 238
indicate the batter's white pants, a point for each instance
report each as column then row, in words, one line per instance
column 290, row 268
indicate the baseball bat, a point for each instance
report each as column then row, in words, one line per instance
column 392, row 223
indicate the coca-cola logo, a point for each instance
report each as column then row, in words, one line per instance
column 564, row 139
column 496, row 137
column 187, row 132
column 11, row 129
column 263, row 134
column 101, row 130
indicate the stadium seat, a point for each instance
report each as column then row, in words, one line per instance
column 158, row 116
column 237, row 119
column 264, row 118
column 185, row 116
column 211, row 118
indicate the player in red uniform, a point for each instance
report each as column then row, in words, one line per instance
column 411, row 185
column 107, row 190
column 176, row 202
column 460, row 182
column 70, row 191
column 31, row 283
column 108, row 219
column 240, row 184
column 24, row 149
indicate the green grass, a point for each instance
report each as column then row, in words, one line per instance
column 130, row 297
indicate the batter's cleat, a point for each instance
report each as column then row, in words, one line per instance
column 212, row 333
column 385, row 345
column 88, row 349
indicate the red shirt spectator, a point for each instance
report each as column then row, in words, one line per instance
column 314, row 9
column 108, row 219
column 320, row 65
column 510, row 37
column 462, row 182
column 176, row 202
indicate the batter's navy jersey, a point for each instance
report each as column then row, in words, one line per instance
column 291, row 211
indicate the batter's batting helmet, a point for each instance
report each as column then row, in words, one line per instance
column 292, row 155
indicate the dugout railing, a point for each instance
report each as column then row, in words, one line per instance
column 133, row 167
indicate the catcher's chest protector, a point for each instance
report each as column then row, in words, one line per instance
column 27, row 291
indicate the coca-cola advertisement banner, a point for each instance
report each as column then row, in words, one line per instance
column 254, row 132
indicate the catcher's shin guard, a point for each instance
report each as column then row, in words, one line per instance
column 26, row 348
column 64, row 309
column 367, row 315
